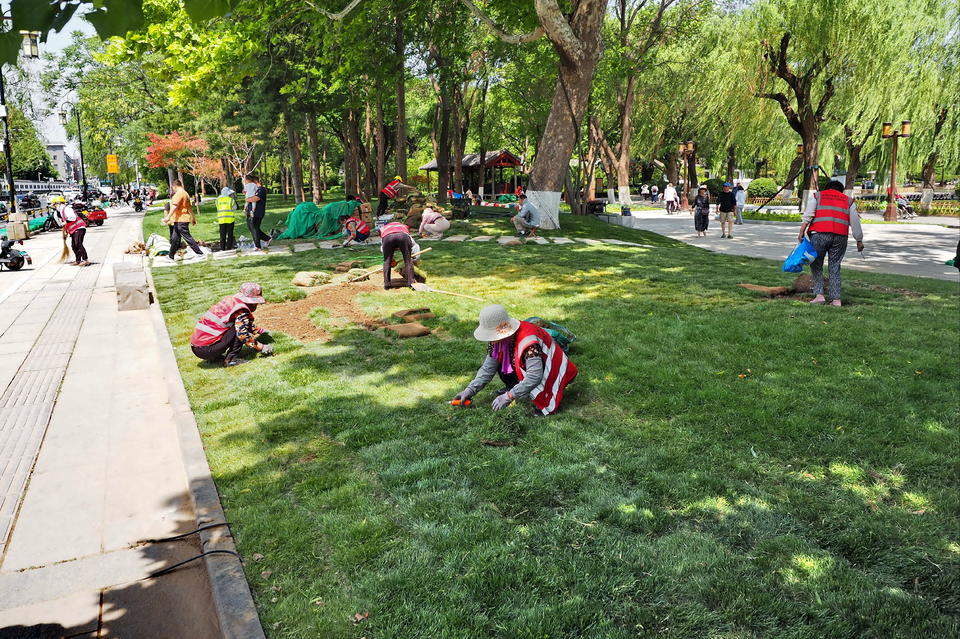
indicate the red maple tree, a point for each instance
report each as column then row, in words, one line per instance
column 172, row 149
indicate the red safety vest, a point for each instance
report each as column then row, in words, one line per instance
column 76, row 225
column 390, row 190
column 832, row 214
column 215, row 322
column 362, row 226
column 558, row 371
column 392, row 228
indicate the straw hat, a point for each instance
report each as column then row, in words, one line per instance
column 495, row 324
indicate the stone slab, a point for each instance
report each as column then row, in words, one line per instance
column 455, row 238
column 538, row 240
column 283, row 249
column 509, row 240
column 481, row 238
column 62, row 617
column 590, row 241
column 304, row 246
column 561, row 240
column 225, row 255
column 623, row 243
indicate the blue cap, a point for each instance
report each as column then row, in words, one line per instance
column 727, row 184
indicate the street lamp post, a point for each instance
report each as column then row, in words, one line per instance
column 64, row 118
column 686, row 150
column 890, row 215
column 29, row 49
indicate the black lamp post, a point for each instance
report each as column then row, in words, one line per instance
column 29, row 49
column 686, row 150
column 64, row 118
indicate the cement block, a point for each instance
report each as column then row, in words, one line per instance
column 481, row 238
column 455, row 238
column 538, row 240
column 304, row 246
column 509, row 240
column 589, row 241
column 562, row 240
column 133, row 292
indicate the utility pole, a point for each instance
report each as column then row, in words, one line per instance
column 890, row 214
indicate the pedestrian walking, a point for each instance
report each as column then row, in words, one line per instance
column 740, row 196
column 226, row 218
column 645, row 192
column 182, row 216
column 671, row 199
column 701, row 211
column 830, row 216
column 654, row 193
column 726, row 206
column 257, row 199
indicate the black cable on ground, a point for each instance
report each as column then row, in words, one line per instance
column 170, row 569
column 186, row 534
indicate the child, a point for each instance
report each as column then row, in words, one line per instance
column 701, row 215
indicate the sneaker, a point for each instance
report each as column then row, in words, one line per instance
column 836, row 303
column 206, row 250
column 729, row 237
column 819, row 299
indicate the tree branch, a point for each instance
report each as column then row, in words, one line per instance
column 824, row 99
column 792, row 118
column 335, row 16
column 557, row 28
column 509, row 38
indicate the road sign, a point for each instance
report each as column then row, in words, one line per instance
column 113, row 164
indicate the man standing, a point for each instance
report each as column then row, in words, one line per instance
column 670, row 198
column 740, row 195
column 226, row 216
column 182, row 216
column 256, row 210
column 726, row 205
column 527, row 221
column 830, row 215
column 390, row 191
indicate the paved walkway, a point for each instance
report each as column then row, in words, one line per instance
column 904, row 249
column 90, row 464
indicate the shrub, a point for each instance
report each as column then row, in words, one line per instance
column 956, row 190
column 715, row 186
column 762, row 187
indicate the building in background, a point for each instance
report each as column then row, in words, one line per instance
column 65, row 165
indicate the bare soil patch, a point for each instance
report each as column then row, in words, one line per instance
column 293, row 318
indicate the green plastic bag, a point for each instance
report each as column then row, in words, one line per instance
column 563, row 336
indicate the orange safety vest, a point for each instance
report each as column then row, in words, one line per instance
column 394, row 228
column 216, row 321
column 390, row 190
column 832, row 214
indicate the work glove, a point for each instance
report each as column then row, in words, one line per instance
column 262, row 331
column 266, row 349
column 463, row 395
column 502, row 401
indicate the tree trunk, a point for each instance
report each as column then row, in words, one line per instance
column 579, row 50
column 458, row 138
column 792, row 174
column 692, row 172
column 811, row 153
column 313, row 143
column 928, row 173
column 170, row 179
column 381, row 144
column 670, row 168
column 731, row 163
column 443, row 150
column 399, row 49
column 323, row 163
column 351, row 152
column 853, row 167
column 482, row 170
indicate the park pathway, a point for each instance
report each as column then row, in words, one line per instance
column 90, row 460
column 902, row 249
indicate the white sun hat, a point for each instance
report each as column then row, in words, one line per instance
column 495, row 324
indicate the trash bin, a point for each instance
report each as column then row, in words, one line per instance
column 625, row 210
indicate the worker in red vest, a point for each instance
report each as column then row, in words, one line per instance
column 354, row 229
column 228, row 326
column 394, row 237
column 830, row 216
column 530, row 364
column 390, row 191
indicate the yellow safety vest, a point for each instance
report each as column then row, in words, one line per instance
column 226, row 210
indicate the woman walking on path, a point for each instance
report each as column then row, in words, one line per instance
column 701, row 211
column 830, row 216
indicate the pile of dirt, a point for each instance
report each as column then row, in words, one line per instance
column 293, row 318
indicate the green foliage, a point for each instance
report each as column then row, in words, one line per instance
column 30, row 155
column 762, row 187
column 715, row 186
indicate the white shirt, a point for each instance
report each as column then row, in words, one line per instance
column 670, row 193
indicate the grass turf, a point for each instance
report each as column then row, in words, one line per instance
column 724, row 466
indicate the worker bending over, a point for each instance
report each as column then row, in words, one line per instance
column 389, row 191
column 228, row 326
column 354, row 228
column 530, row 364
column 395, row 236
column 433, row 224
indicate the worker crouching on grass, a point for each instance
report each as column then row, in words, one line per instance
column 224, row 329
column 530, row 364
column 354, row 228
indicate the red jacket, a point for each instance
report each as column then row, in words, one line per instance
column 390, row 190
column 558, row 371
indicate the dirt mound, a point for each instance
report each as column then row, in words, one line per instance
column 293, row 318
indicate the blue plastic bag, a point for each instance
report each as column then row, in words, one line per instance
column 800, row 257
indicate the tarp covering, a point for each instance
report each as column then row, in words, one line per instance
column 309, row 220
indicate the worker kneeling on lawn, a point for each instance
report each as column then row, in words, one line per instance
column 228, row 326
column 528, row 361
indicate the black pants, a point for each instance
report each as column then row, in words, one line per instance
column 224, row 349
column 76, row 242
column 384, row 203
column 390, row 245
column 226, row 236
column 181, row 231
column 253, row 223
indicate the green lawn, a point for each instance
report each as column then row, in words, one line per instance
column 724, row 466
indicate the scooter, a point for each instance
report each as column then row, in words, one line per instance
column 12, row 258
column 137, row 204
column 51, row 223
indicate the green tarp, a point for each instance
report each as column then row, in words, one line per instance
column 309, row 220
